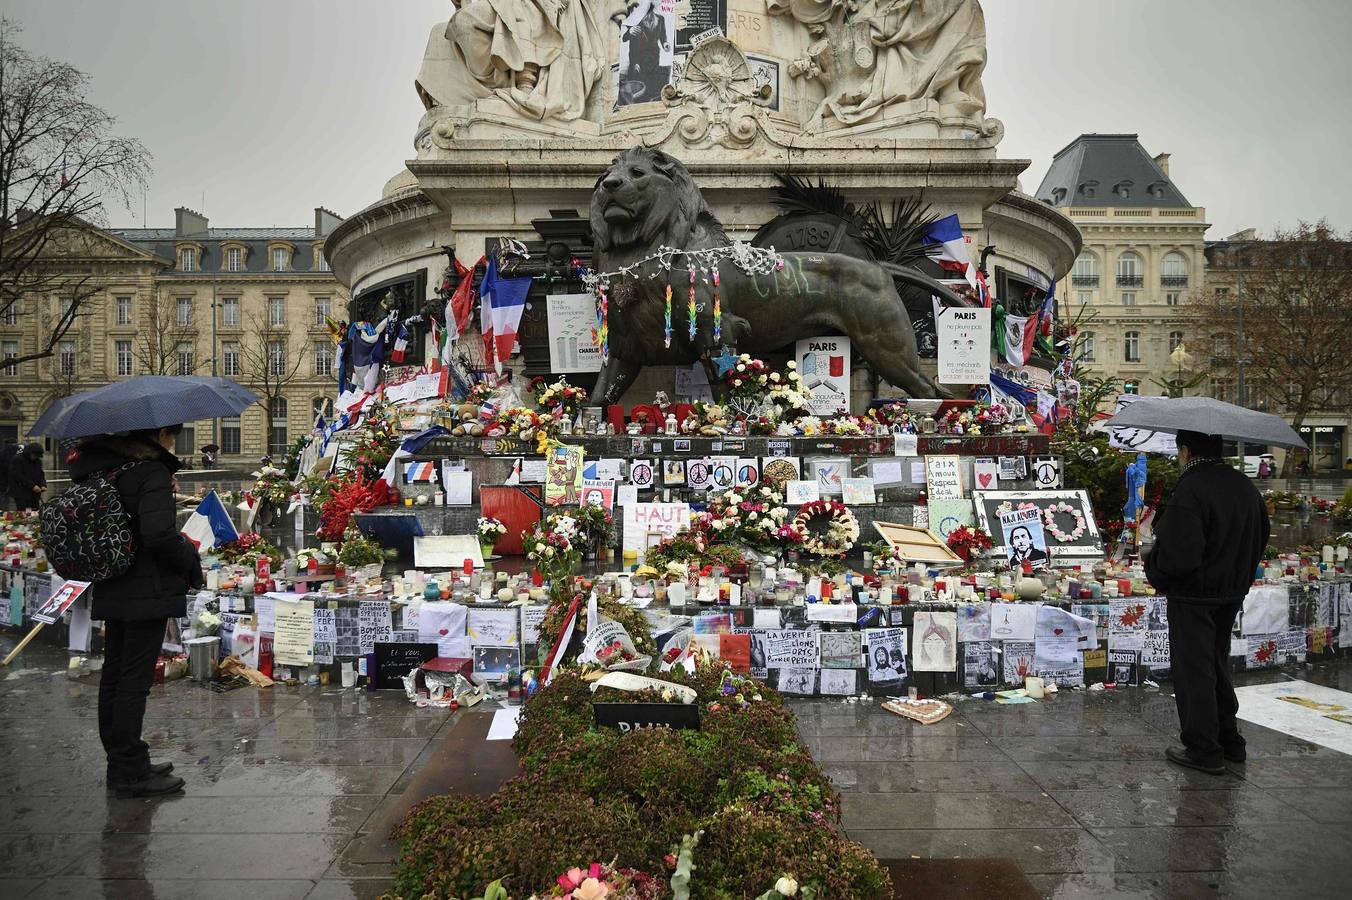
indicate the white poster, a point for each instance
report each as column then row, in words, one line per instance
column 644, row 519
column 943, row 477
column 824, row 363
column 692, row 383
column 964, row 345
column 647, row 43
column 572, row 346
column 1139, row 439
column 1024, row 537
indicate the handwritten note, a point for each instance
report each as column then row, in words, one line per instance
column 943, row 477
column 373, row 625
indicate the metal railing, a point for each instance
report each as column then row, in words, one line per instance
column 1130, row 280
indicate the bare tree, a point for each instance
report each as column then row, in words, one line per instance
column 1283, row 320
column 269, row 361
column 159, row 339
column 60, row 164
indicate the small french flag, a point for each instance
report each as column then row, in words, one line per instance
column 210, row 525
column 420, row 472
column 400, row 345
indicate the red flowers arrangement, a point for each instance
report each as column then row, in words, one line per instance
column 965, row 540
column 356, row 496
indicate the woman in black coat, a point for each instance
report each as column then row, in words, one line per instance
column 137, row 604
column 27, row 481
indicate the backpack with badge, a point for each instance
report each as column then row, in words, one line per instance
column 86, row 530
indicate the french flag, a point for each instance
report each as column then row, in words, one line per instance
column 210, row 525
column 420, row 473
column 950, row 249
column 400, row 345
column 501, row 302
column 410, row 446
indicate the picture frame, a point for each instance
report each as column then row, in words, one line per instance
column 1089, row 544
column 917, row 544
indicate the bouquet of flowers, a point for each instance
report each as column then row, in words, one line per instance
column 272, row 486
column 752, row 516
column 789, row 395
column 965, row 540
column 691, row 546
column 606, row 882
column 559, row 398
column 554, row 548
column 490, row 529
column 247, row 549
column 597, row 524
column 357, row 495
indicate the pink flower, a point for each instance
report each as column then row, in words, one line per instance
column 571, row 879
column 595, row 870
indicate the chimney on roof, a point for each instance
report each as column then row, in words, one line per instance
column 325, row 221
column 1163, row 162
column 189, row 223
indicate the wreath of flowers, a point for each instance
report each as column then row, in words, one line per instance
column 840, row 534
column 1049, row 519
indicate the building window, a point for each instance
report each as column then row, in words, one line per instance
column 1131, row 346
column 1223, row 389
column 184, row 317
column 321, row 261
column 124, row 310
column 277, row 435
column 1130, row 270
column 12, row 313
column 277, row 358
column 1085, row 273
column 1173, row 270
column 323, row 310
column 279, row 259
column 230, row 435
column 1222, row 294
column 234, row 260
column 10, row 350
column 230, row 311
column 1128, row 298
column 1087, row 346
column 276, row 310
column 319, row 407
column 122, row 350
column 1171, row 298
column 184, row 442
column 67, row 358
column 67, row 308
column 187, row 259
column 1175, row 340
column 186, row 362
column 230, row 358
column 324, row 358
column 1083, row 297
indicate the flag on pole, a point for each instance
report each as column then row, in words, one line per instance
column 950, row 249
column 561, row 645
column 501, row 302
column 1020, row 332
column 210, row 525
column 461, row 303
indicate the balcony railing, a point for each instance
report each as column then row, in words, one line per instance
column 1173, row 281
column 1130, row 280
column 1085, row 281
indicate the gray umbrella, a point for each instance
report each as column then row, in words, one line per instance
column 1208, row 416
column 147, row 401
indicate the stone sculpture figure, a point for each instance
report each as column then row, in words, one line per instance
column 871, row 54
column 540, row 57
column 647, row 200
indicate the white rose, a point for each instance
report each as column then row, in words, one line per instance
column 549, row 551
column 753, row 516
column 741, row 367
column 786, row 886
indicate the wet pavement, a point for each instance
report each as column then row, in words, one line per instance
column 284, row 784
column 1076, row 790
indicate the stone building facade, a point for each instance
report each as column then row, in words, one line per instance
column 245, row 303
column 1142, row 263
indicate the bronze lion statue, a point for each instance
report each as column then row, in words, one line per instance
column 646, row 200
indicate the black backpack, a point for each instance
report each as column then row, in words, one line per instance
column 86, row 530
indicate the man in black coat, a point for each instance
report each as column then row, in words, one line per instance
column 7, row 454
column 137, row 604
column 1208, row 544
column 27, row 481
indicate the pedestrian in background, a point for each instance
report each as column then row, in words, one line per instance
column 137, row 604
column 7, row 454
column 1208, row 543
column 27, row 481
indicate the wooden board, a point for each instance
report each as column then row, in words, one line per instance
column 916, row 544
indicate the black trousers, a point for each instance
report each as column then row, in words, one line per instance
column 1199, row 661
column 130, row 652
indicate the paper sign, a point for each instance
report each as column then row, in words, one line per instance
column 824, row 364
column 723, row 472
column 885, row 472
column 563, row 476
column 626, row 494
column 905, row 445
column 1047, row 472
column 788, row 649
column 985, row 474
column 1024, row 537
column 943, row 477
column 61, row 599
column 491, row 627
column 572, row 326
column 857, row 491
column 422, row 386
column 1139, row 440
column 598, row 493
column 946, row 516
column 374, row 625
column 293, row 643
column 964, row 345
column 325, row 635
column 698, row 474
column 641, row 474
column 830, row 474
column 748, row 472
column 459, row 487
column 643, row 519
column 692, row 383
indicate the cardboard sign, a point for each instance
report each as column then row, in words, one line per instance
column 943, row 477
column 572, row 330
column 642, row 519
column 629, row 717
column 563, row 476
column 824, row 364
column 61, row 599
column 598, row 493
column 394, row 661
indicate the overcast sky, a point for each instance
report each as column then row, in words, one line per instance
column 257, row 111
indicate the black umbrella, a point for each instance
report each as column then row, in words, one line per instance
column 144, row 402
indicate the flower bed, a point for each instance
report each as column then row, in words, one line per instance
column 765, row 808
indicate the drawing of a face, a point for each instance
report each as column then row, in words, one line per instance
column 880, row 659
column 1022, row 539
column 594, row 498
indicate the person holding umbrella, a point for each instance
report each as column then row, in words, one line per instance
column 1208, row 543
column 144, row 416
